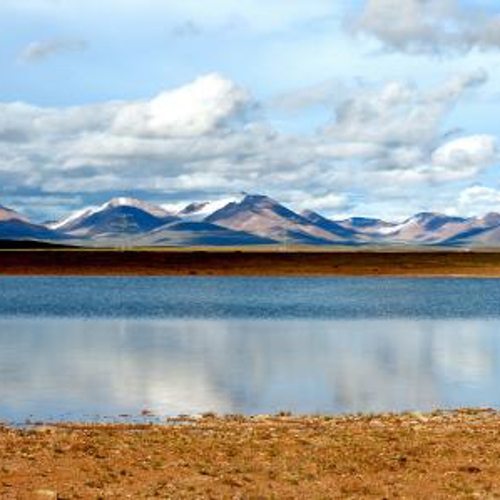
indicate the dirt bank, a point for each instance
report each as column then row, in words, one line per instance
column 217, row 263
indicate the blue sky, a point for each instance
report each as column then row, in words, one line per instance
column 373, row 107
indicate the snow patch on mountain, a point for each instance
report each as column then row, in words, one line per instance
column 74, row 217
column 155, row 210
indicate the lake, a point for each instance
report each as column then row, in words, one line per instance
column 98, row 348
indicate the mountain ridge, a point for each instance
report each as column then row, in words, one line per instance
column 251, row 219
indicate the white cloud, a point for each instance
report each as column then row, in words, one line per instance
column 328, row 204
column 398, row 112
column 204, row 139
column 429, row 26
column 478, row 200
column 325, row 94
column 397, row 130
column 471, row 152
column 197, row 108
column 40, row 50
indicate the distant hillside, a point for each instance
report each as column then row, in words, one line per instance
column 265, row 217
column 245, row 220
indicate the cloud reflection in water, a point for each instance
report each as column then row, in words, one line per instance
column 74, row 368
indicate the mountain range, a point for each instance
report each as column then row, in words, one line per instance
column 251, row 220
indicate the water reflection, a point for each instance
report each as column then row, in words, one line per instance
column 71, row 368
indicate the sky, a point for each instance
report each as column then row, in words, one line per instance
column 378, row 108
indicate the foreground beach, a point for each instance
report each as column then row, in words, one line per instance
column 440, row 455
column 161, row 262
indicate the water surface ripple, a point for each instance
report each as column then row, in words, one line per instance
column 258, row 298
column 86, row 348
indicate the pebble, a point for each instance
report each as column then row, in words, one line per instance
column 46, row 495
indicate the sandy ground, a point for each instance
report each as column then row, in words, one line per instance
column 440, row 455
column 233, row 263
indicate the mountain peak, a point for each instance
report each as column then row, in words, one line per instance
column 130, row 214
column 491, row 219
column 253, row 204
column 258, row 200
column 434, row 220
column 199, row 210
column 249, row 214
column 118, row 202
column 261, row 215
column 314, row 217
column 7, row 214
column 121, row 201
column 425, row 216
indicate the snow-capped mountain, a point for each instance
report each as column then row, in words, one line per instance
column 198, row 211
column 426, row 227
column 116, row 217
column 72, row 220
column 265, row 217
column 251, row 219
column 131, row 222
column 150, row 208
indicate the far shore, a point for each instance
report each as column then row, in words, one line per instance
column 444, row 454
column 244, row 262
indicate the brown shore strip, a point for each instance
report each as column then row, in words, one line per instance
column 438, row 455
column 249, row 263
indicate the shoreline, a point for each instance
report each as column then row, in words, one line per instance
column 89, row 262
column 443, row 454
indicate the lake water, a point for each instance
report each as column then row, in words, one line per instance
column 91, row 348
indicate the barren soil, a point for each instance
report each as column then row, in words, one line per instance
column 441, row 455
column 248, row 263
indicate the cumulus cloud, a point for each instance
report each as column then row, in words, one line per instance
column 467, row 152
column 186, row 138
column 41, row 50
column 324, row 94
column 429, row 26
column 399, row 113
column 195, row 109
column 327, row 203
column 478, row 200
column 397, row 129
column 206, row 139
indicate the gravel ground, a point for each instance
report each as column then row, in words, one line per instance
column 413, row 455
